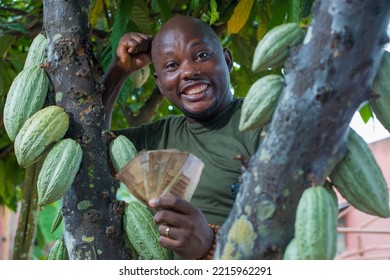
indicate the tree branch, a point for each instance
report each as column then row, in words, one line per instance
column 327, row 79
column 14, row 11
column 147, row 112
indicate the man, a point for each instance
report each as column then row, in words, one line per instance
column 193, row 71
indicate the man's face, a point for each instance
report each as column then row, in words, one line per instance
column 192, row 70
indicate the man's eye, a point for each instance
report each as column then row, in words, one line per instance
column 202, row 55
column 171, row 65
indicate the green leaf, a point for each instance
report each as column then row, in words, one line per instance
column 17, row 61
column 214, row 15
column 46, row 217
column 125, row 91
column 5, row 43
column 7, row 75
column 164, row 9
column 279, row 11
column 366, row 112
column 294, row 11
column 13, row 26
column 195, row 5
column 264, row 16
column 122, row 17
column 306, row 8
column 140, row 15
column 106, row 57
column 10, row 178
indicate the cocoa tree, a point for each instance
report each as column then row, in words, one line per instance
column 325, row 84
column 327, row 79
column 92, row 217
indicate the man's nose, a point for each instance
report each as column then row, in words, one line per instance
column 190, row 70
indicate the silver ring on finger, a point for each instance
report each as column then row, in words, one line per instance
column 167, row 232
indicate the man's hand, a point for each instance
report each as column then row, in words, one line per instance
column 189, row 234
column 133, row 52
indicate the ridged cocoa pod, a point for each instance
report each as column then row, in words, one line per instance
column 292, row 252
column 56, row 222
column 316, row 225
column 41, row 130
column 58, row 171
column 25, row 97
column 122, row 150
column 381, row 86
column 58, row 251
column 36, row 52
column 143, row 233
column 273, row 49
column 360, row 180
column 260, row 102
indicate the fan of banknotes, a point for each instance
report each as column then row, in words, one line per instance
column 162, row 172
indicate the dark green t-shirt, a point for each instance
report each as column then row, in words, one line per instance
column 216, row 142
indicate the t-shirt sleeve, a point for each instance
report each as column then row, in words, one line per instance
column 147, row 136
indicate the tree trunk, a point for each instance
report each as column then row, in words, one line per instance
column 92, row 216
column 327, row 79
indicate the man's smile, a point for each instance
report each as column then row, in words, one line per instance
column 194, row 92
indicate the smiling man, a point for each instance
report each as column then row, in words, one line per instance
column 192, row 70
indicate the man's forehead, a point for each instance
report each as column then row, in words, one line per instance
column 173, row 37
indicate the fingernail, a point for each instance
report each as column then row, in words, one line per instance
column 153, row 202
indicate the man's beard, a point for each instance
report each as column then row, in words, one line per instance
column 205, row 115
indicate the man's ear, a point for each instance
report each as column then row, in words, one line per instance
column 157, row 80
column 228, row 59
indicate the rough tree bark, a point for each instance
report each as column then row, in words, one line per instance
column 326, row 81
column 91, row 215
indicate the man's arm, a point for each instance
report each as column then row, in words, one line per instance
column 132, row 54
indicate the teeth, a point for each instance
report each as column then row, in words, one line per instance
column 196, row 90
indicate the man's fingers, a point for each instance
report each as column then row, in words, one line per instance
column 169, row 217
column 172, row 203
column 168, row 231
column 169, row 243
column 136, row 43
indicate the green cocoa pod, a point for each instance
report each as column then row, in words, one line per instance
column 381, row 86
column 130, row 247
column 143, row 233
column 36, row 52
column 58, row 171
column 360, row 180
column 260, row 102
column 122, row 150
column 316, row 225
column 25, row 97
column 56, row 222
column 292, row 252
column 39, row 132
column 272, row 50
column 58, row 251
column 139, row 78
